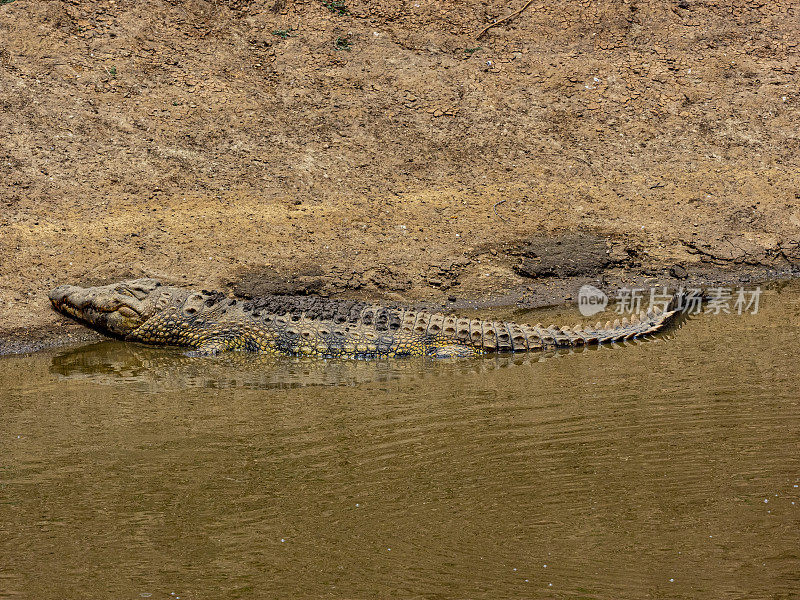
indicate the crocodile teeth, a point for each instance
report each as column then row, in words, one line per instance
column 616, row 323
column 625, row 321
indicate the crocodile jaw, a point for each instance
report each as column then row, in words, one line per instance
column 115, row 310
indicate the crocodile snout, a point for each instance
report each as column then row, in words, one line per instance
column 60, row 294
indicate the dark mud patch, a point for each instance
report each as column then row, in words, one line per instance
column 570, row 255
column 267, row 281
column 311, row 279
column 64, row 333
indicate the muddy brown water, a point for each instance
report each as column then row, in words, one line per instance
column 666, row 469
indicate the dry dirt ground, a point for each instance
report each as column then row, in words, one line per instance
column 378, row 149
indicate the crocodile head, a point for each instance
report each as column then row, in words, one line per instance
column 117, row 309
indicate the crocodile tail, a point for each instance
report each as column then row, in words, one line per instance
column 515, row 337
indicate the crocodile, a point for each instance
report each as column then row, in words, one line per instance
column 207, row 323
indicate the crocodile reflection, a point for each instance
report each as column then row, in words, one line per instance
column 156, row 369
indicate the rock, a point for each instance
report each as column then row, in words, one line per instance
column 678, row 272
